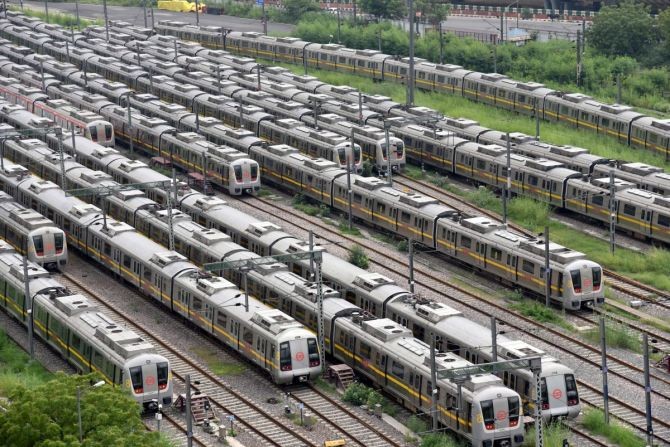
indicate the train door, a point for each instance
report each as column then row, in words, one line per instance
column 480, row 248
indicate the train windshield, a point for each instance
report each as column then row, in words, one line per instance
column 238, row 174
column 58, row 242
column 93, row 132
column 285, row 356
column 39, row 245
column 384, row 151
column 254, row 172
column 314, row 359
column 357, row 154
column 399, row 149
column 136, row 379
column 576, row 280
column 108, row 132
column 597, row 277
column 342, row 156
column 571, row 390
column 162, row 373
column 545, row 395
column 488, row 414
column 513, row 407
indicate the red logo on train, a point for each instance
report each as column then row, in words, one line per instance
column 300, row 356
column 557, row 394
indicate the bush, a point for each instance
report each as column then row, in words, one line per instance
column 358, row 394
column 594, row 420
column 416, row 424
column 358, row 257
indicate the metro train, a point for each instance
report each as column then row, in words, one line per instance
column 637, row 209
column 531, row 98
column 266, row 337
column 270, row 286
column 318, row 143
column 229, row 169
column 32, row 234
column 76, row 329
column 92, row 126
column 349, row 334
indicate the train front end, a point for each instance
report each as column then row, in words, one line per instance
column 496, row 418
column 299, row 359
column 101, row 132
column 47, row 247
column 583, row 285
column 149, row 379
column 397, row 155
column 560, row 398
column 345, row 154
column 244, row 177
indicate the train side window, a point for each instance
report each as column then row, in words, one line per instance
column 366, row 351
column 197, row 304
column 381, row 208
column 597, row 200
column 221, row 319
column 532, row 180
column 405, row 217
column 528, row 266
column 147, row 271
column 466, row 242
column 126, row 261
column 481, row 164
column 358, row 198
column 248, row 336
column 629, row 209
column 398, row 370
column 496, row 254
column 664, row 220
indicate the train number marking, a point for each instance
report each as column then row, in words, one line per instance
column 300, row 356
column 557, row 394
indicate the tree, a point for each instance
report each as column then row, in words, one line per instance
column 626, row 29
column 46, row 416
column 388, row 9
column 664, row 30
column 433, row 11
column 296, row 8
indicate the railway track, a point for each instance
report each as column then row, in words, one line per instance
column 337, row 415
column 514, row 321
column 622, row 284
column 266, row 428
column 174, row 430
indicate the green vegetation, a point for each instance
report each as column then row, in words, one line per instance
column 63, row 19
column 213, row 361
column 498, row 119
column 553, row 63
column 359, row 394
column 301, row 203
column 617, row 336
column 594, row 420
column 343, row 226
column 325, row 386
column 416, row 424
column 264, row 192
column 358, row 257
column 554, row 434
column 539, row 312
column 656, row 324
column 16, row 368
column 46, row 415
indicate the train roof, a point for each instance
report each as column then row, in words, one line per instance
column 118, row 343
column 21, row 218
column 587, row 103
column 645, row 198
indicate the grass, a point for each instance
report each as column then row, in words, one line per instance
column 63, row 19
column 343, row 227
column 617, row 336
column 594, row 421
column 301, row 203
column 553, row 434
column 539, row 312
column 264, row 192
column 211, row 357
column 325, row 386
column 498, row 119
column 440, row 440
column 656, row 324
column 16, row 368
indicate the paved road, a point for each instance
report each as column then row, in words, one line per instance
column 135, row 16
